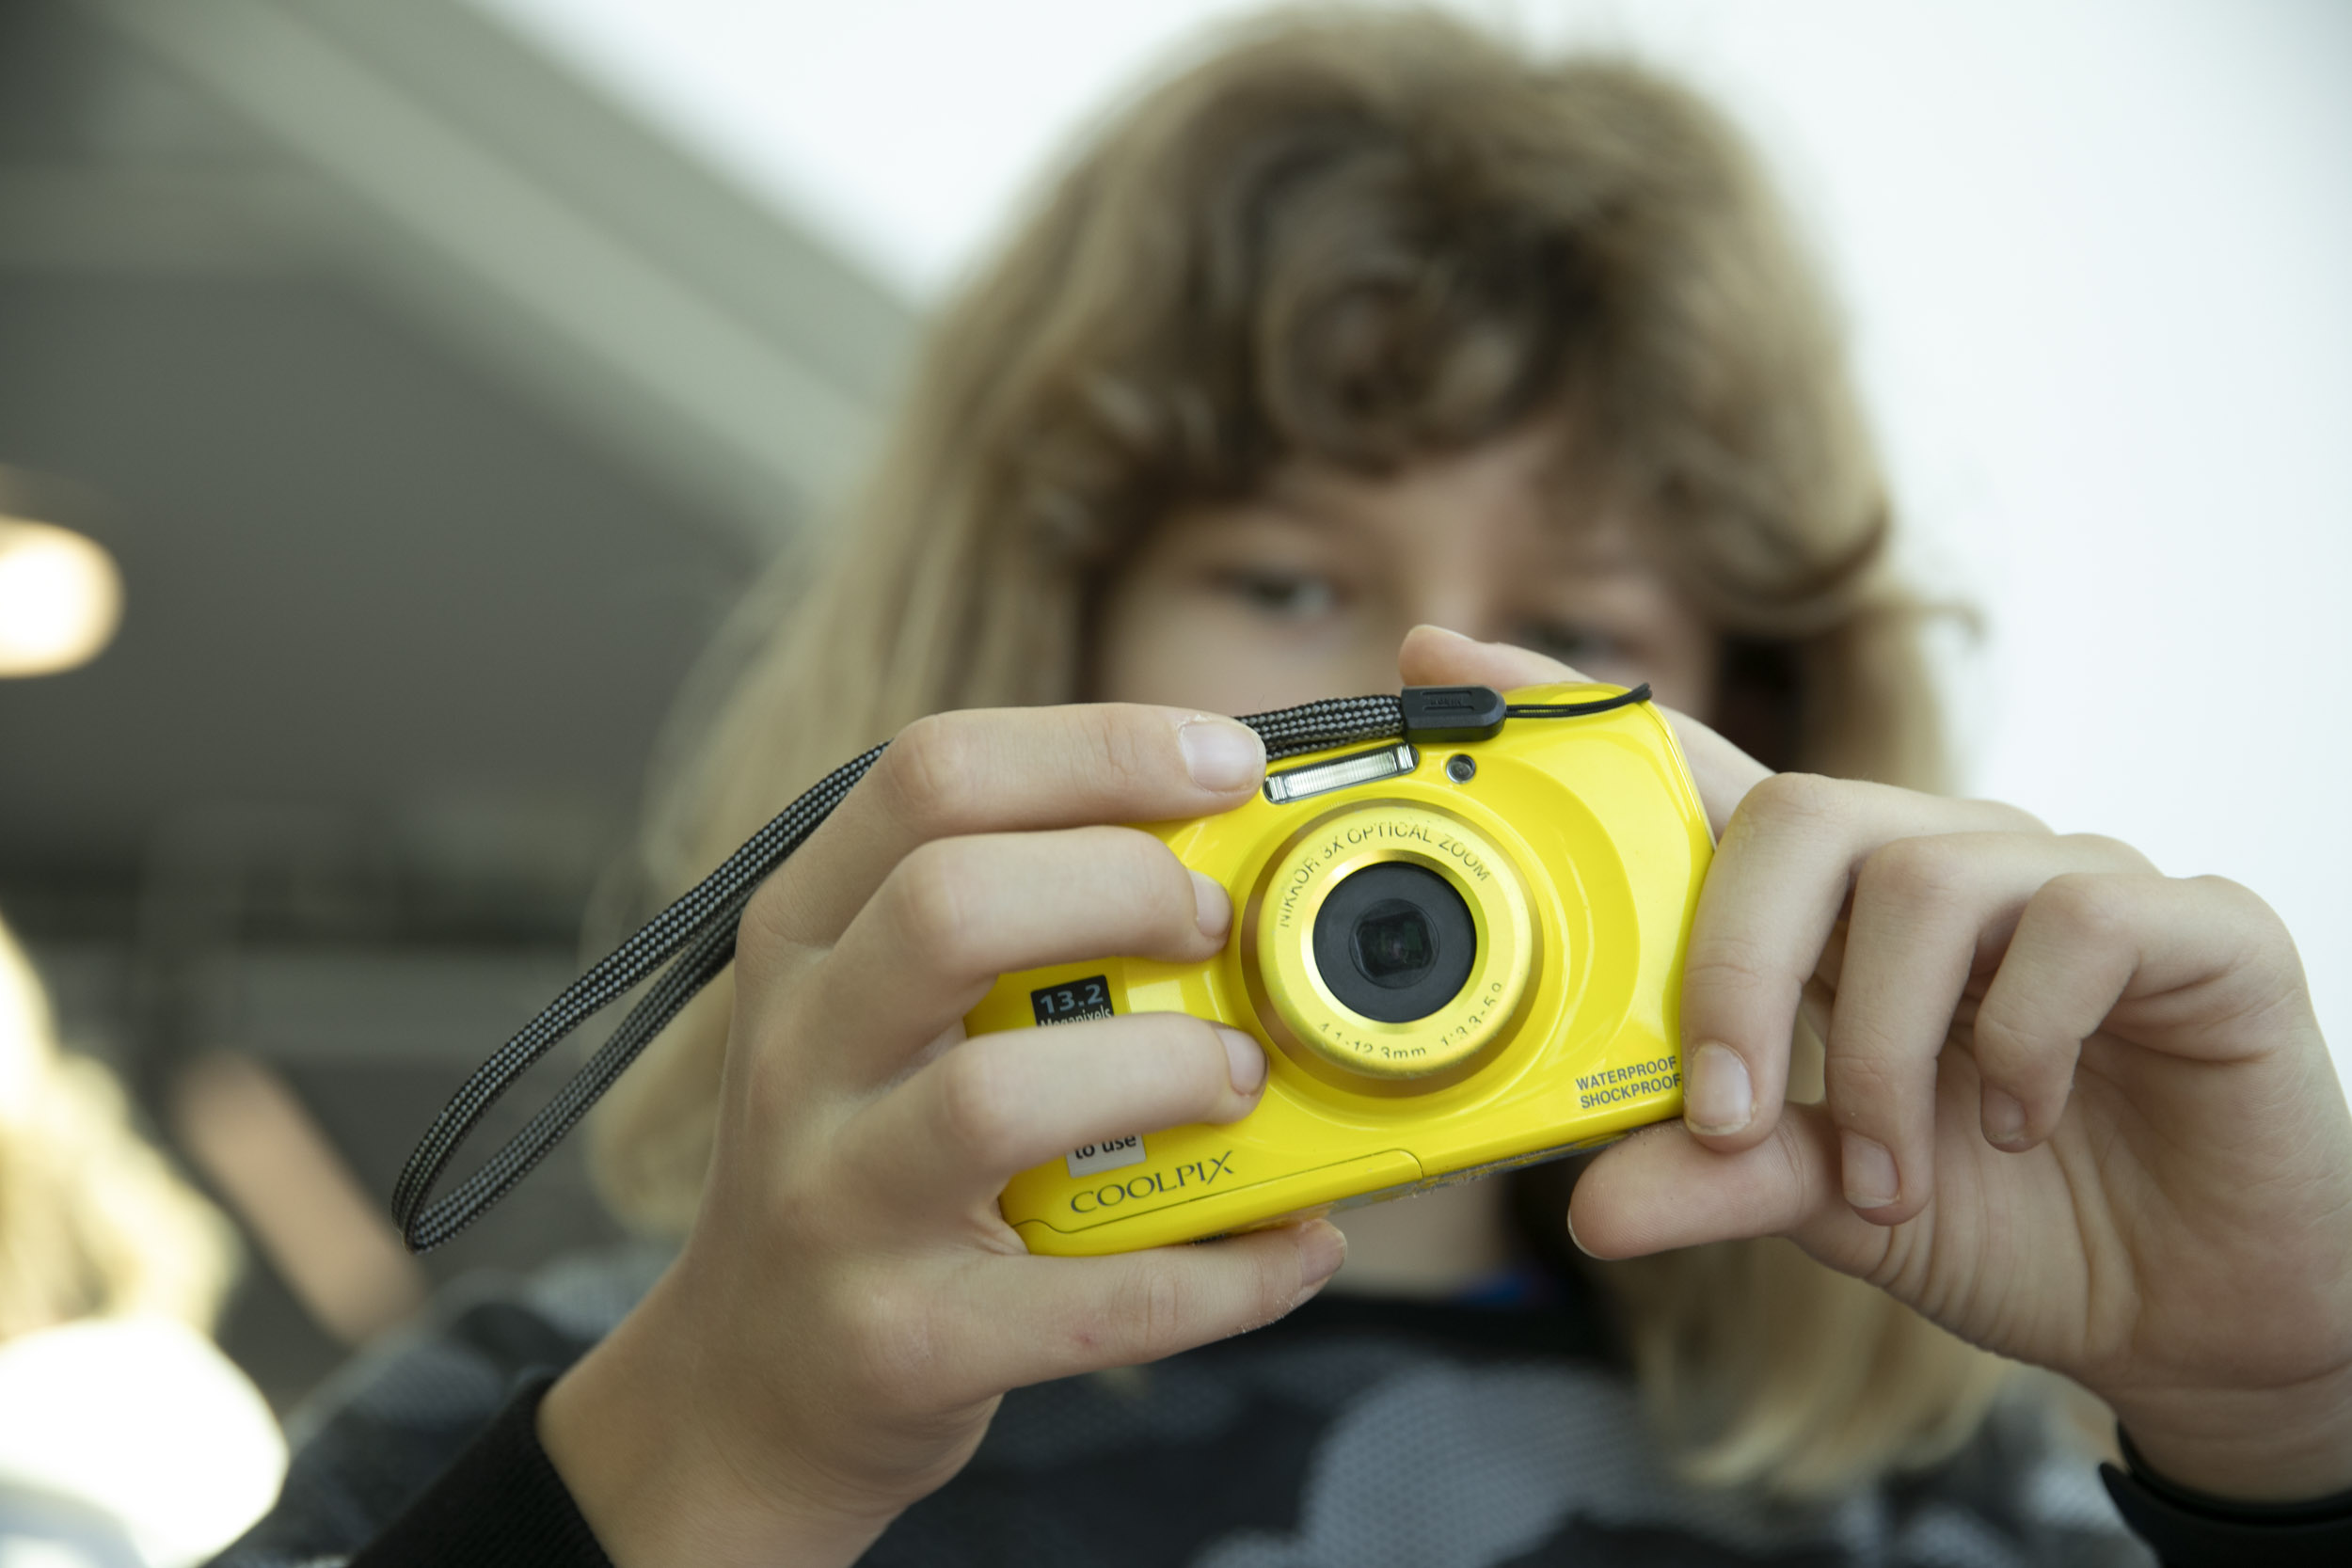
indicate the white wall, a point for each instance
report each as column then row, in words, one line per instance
column 2098, row 259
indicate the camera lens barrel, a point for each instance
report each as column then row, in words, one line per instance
column 1388, row 946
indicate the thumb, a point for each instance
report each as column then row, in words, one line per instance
column 1433, row 656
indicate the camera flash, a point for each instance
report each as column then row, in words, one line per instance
column 1320, row 778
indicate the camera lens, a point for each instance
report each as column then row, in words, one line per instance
column 1395, row 941
column 1393, row 944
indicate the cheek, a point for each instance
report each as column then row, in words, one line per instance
column 1674, row 649
column 1684, row 674
column 1150, row 649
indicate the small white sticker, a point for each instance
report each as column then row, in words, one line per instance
column 1094, row 1159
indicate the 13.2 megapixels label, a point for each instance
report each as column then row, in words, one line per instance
column 1073, row 1002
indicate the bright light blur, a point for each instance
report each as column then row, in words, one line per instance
column 133, row 1416
column 141, row 1418
column 61, row 598
column 2093, row 257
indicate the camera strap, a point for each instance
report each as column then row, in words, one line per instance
column 694, row 938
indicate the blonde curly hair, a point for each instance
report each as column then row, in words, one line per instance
column 93, row 1223
column 1364, row 240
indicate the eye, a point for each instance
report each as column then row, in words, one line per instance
column 1573, row 643
column 1284, row 595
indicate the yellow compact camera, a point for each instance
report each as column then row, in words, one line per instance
column 1462, row 952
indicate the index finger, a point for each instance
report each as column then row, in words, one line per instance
column 1433, row 656
column 1006, row 770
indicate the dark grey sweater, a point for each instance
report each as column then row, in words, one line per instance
column 1353, row 1434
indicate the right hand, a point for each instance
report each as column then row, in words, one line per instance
column 833, row 1340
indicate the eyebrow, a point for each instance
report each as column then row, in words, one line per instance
column 1586, row 547
column 1267, row 511
column 1295, row 502
column 1578, row 550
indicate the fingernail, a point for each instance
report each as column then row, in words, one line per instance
column 2003, row 1115
column 1220, row 754
column 1212, row 906
column 1244, row 1061
column 1869, row 1171
column 1570, row 1220
column 1322, row 1249
column 1716, row 1094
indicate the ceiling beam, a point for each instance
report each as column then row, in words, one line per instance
column 686, row 326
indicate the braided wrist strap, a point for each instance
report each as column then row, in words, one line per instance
column 696, row 937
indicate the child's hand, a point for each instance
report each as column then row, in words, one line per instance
column 832, row 1342
column 2078, row 1112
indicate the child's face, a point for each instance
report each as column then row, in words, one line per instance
column 1306, row 590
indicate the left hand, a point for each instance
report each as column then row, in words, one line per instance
column 2077, row 1112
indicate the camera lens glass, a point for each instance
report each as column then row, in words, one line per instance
column 1395, row 941
column 1393, row 944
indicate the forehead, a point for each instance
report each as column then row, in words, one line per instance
column 1524, row 494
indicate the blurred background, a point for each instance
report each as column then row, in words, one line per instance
column 434, row 373
column 432, row 404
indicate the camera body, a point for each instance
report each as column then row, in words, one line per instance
column 1461, row 957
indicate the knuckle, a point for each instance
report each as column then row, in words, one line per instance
column 2237, row 900
column 2113, row 851
column 1275, row 1285
column 1728, row 962
column 2267, row 941
column 804, row 1218
column 2080, row 909
column 1172, row 1062
column 932, row 891
column 1914, row 871
column 762, row 932
column 1786, row 1143
column 1164, row 880
column 1786, row 802
column 2017, row 819
column 1130, row 854
column 1157, row 1302
column 2001, row 1040
column 1862, row 1079
column 1200, row 1066
column 1141, row 881
column 928, row 771
column 980, row 1104
column 894, row 1336
column 1120, row 751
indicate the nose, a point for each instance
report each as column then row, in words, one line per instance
column 1450, row 595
